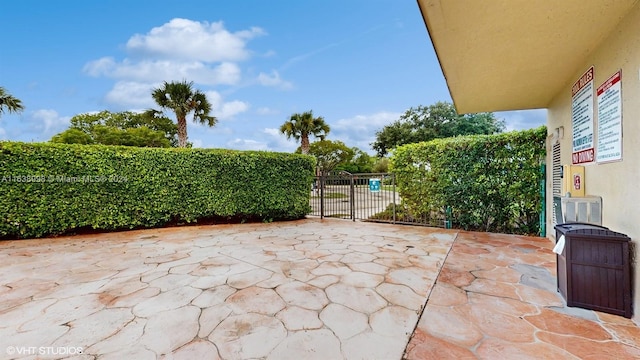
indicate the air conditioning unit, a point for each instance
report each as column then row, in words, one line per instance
column 586, row 209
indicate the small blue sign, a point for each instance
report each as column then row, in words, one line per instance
column 374, row 185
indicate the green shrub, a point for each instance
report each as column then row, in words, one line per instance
column 404, row 215
column 53, row 188
column 491, row 182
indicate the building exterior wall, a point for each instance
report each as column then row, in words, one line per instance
column 618, row 183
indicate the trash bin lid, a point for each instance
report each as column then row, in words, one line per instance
column 589, row 230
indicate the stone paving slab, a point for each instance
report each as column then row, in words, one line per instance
column 496, row 298
column 308, row 289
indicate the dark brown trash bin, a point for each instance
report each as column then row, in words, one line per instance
column 593, row 270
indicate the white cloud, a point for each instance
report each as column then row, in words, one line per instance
column 272, row 131
column 274, row 80
column 269, row 139
column 188, row 39
column 3, row 134
column 197, row 143
column 181, row 49
column 165, row 70
column 228, row 110
column 266, row 111
column 48, row 122
column 246, row 144
column 224, row 130
column 278, row 142
column 360, row 130
column 225, row 110
column 131, row 94
column 202, row 52
column 102, row 66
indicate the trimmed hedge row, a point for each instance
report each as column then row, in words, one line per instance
column 50, row 188
column 489, row 182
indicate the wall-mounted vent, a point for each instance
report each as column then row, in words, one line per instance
column 556, row 174
column 586, row 209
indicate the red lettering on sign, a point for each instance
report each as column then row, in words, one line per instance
column 582, row 82
column 610, row 82
column 583, row 156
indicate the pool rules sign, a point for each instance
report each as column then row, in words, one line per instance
column 610, row 119
column 582, row 119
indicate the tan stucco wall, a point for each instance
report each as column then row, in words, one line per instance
column 618, row 183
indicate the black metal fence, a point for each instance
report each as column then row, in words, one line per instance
column 365, row 197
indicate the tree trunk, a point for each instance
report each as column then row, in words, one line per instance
column 304, row 144
column 182, row 131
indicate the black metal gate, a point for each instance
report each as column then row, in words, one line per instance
column 365, row 197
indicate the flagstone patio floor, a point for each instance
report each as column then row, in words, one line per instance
column 307, row 289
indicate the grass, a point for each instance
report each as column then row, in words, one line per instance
column 338, row 215
column 332, row 195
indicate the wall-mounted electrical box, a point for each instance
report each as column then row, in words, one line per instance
column 573, row 180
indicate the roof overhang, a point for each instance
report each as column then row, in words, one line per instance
column 515, row 54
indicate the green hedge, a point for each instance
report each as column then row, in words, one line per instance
column 50, row 188
column 490, row 183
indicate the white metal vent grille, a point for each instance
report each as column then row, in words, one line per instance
column 556, row 181
column 557, row 170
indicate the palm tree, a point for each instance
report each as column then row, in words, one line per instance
column 300, row 126
column 9, row 102
column 182, row 99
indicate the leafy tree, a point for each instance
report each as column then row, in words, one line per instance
column 182, row 99
column 73, row 136
column 141, row 137
column 439, row 120
column 381, row 165
column 9, row 103
column 146, row 129
column 360, row 162
column 301, row 126
column 155, row 120
column 329, row 154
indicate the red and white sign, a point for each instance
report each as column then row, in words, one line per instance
column 584, row 156
column 613, row 80
column 582, row 119
column 584, row 80
column 609, row 146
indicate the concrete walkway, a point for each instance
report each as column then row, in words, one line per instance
column 309, row 289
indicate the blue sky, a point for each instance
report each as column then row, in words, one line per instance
column 358, row 63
